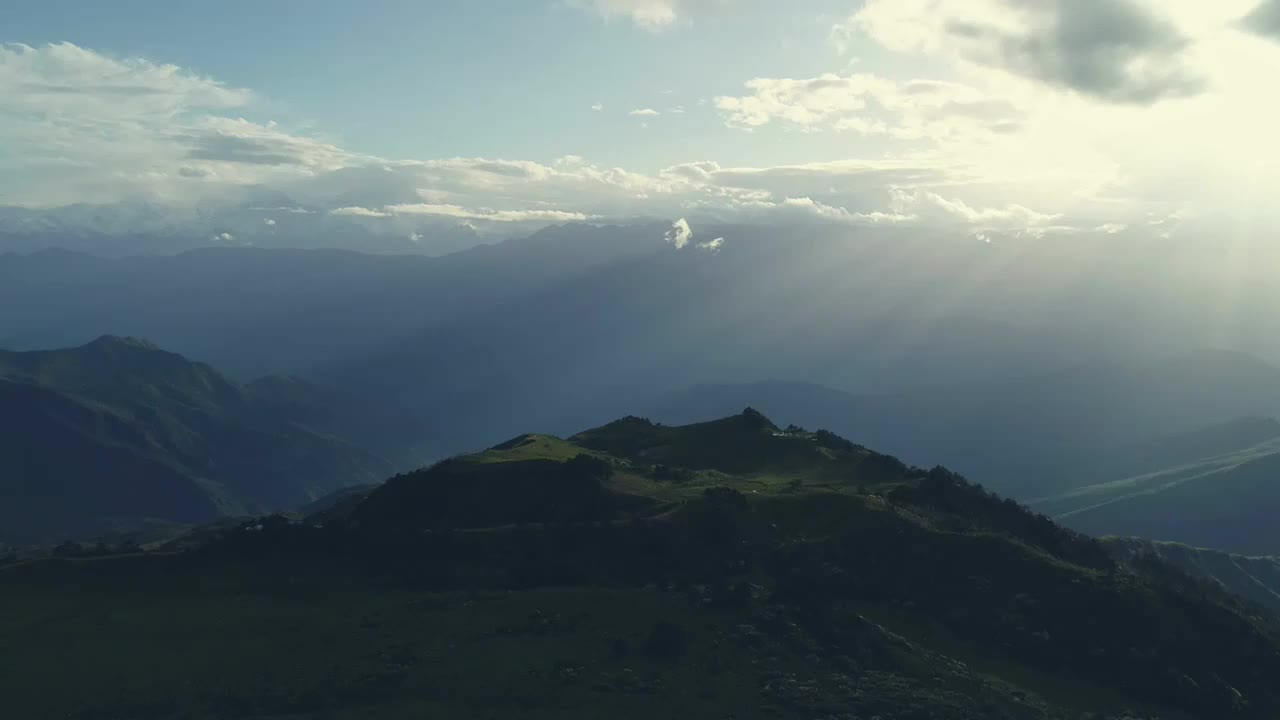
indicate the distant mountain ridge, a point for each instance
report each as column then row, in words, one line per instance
column 1228, row 501
column 1254, row 577
column 1040, row 434
column 117, row 431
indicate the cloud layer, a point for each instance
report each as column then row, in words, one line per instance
column 101, row 130
column 1019, row 117
column 91, row 128
column 871, row 105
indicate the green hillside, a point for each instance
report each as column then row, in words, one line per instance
column 727, row 569
column 117, row 432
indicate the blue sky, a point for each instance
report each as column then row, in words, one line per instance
column 992, row 116
column 444, row 78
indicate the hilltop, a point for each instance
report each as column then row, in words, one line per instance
column 730, row 568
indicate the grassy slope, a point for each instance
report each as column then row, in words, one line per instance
column 947, row 604
column 374, row 654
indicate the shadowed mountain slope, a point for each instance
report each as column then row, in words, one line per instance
column 118, row 431
column 726, row 568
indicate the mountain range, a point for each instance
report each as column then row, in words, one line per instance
column 1039, row 434
column 727, row 568
column 118, row 432
column 418, row 358
column 1254, row 577
column 1225, row 500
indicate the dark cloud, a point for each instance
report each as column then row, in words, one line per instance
column 1109, row 49
column 1265, row 19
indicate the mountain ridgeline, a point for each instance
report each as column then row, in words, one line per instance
column 731, row 568
column 117, row 433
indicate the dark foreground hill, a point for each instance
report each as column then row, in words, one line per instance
column 118, row 432
column 727, row 569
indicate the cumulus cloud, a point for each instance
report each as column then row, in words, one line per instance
column 643, row 112
column 871, row 105
column 268, row 222
column 355, row 211
column 597, row 106
column 1113, row 50
column 806, row 209
column 841, row 178
column 132, row 128
column 226, row 140
column 680, row 233
column 960, row 153
column 923, row 203
column 499, row 216
column 712, row 245
column 1264, row 19
column 845, row 192
column 66, row 81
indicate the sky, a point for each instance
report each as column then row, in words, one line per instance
column 997, row 118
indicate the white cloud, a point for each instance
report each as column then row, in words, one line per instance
column 986, row 149
column 872, row 105
column 220, row 141
column 597, row 107
column 354, row 211
column 712, row 245
column 68, row 82
column 924, row 204
column 133, row 129
column 806, row 209
column 643, row 112
column 803, row 103
column 268, row 222
column 680, row 234
column 500, row 216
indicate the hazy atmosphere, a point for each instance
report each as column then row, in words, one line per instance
column 563, row 358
